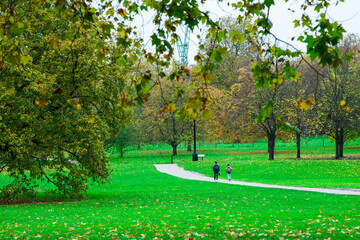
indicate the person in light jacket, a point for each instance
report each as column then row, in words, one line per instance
column 228, row 171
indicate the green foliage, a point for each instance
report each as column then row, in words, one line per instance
column 58, row 106
column 119, row 143
column 323, row 45
column 265, row 111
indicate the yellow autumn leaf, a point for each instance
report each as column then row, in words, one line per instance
column 77, row 106
column 279, row 79
column 122, row 32
column 303, row 105
column 122, row 12
column 172, row 108
column 43, row 103
column 25, row 59
column 91, row 120
column 54, row 43
column 44, row 91
column 347, row 108
column 311, row 100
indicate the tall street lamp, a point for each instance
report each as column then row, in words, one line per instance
column 195, row 155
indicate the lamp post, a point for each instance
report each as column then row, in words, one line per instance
column 195, row 155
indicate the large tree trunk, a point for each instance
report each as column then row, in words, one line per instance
column 271, row 146
column 337, row 146
column 341, row 149
column 174, row 147
column 298, row 142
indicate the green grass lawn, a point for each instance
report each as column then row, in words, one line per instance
column 143, row 203
column 317, row 168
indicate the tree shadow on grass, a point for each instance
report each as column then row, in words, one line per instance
column 37, row 201
column 346, row 158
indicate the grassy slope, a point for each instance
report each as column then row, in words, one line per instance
column 141, row 202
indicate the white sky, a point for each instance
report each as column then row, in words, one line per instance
column 347, row 13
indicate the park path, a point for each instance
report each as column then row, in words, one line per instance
column 175, row 170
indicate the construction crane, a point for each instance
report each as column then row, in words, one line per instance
column 183, row 47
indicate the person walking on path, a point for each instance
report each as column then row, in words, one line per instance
column 228, row 171
column 216, row 169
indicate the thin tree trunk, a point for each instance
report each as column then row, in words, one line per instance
column 341, row 142
column 337, row 145
column 138, row 146
column 121, row 152
column 337, row 140
column 298, row 142
column 189, row 146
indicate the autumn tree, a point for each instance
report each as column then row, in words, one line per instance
column 339, row 110
column 232, row 83
column 58, row 105
column 300, row 117
column 125, row 138
column 162, row 123
column 239, row 54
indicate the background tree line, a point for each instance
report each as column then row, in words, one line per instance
column 330, row 107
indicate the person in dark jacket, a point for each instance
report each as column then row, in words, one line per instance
column 216, row 169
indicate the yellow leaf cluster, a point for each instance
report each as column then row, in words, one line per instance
column 343, row 107
column 305, row 105
column 91, row 120
column 77, row 106
column 172, row 108
column 42, row 103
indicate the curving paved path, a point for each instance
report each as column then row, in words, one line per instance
column 175, row 170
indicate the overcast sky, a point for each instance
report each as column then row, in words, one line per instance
column 347, row 13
